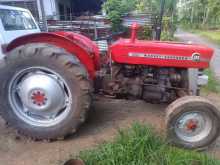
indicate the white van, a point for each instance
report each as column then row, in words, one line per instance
column 15, row 22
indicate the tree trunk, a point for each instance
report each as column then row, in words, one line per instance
column 192, row 14
column 206, row 16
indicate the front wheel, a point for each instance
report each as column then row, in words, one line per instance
column 45, row 91
column 192, row 122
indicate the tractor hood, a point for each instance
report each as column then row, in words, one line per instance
column 161, row 54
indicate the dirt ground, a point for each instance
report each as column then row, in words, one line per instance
column 104, row 121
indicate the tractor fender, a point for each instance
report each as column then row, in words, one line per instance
column 80, row 46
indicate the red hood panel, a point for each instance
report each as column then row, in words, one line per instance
column 162, row 54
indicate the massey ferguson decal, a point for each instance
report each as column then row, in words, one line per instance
column 195, row 56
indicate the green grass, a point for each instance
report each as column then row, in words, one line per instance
column 213, row 84
column 212, row 35
column 140, row 145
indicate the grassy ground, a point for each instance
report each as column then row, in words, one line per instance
column 213, row 85
column 213, row 35
column 140, row 145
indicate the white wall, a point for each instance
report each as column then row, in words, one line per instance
column 50, row 8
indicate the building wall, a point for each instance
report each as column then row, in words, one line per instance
column 67, row 6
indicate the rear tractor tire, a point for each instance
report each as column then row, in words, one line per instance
column 192, row 122
column 45, row 91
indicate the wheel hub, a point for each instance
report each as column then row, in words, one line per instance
column 42, row 94
column 193, row 126
column 39, row 98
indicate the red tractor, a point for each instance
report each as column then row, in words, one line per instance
column 48, row 80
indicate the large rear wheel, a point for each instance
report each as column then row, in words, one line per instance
column 192, row 122
column 45, row 92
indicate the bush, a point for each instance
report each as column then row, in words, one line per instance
column 169, row 28
column 213, row 84
column 116, row 9
column 116, row 20
column 145, row 33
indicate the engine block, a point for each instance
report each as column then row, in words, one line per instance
column 152, row 84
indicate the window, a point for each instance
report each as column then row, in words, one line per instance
column 16, row 20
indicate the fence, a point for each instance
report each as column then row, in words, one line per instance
column 142, row 19
column 94, row 27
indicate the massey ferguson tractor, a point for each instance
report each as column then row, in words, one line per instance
column 48, row 81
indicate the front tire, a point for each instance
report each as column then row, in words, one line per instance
column 45, row 91
column 192, row 122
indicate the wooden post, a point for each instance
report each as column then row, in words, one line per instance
column 95, row 30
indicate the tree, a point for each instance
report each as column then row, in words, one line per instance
column 200, row 13
column 116, row 9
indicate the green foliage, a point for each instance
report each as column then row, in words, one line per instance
column 145, row 33
column 213, row 85
column 170, row 18
column 152, row 6
column 212, row 35
column 166, row 36
column 214, row 9
column 200, row 14
column 115, row 9
column 169, row 27
column 140, row 145
column 115, row 18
